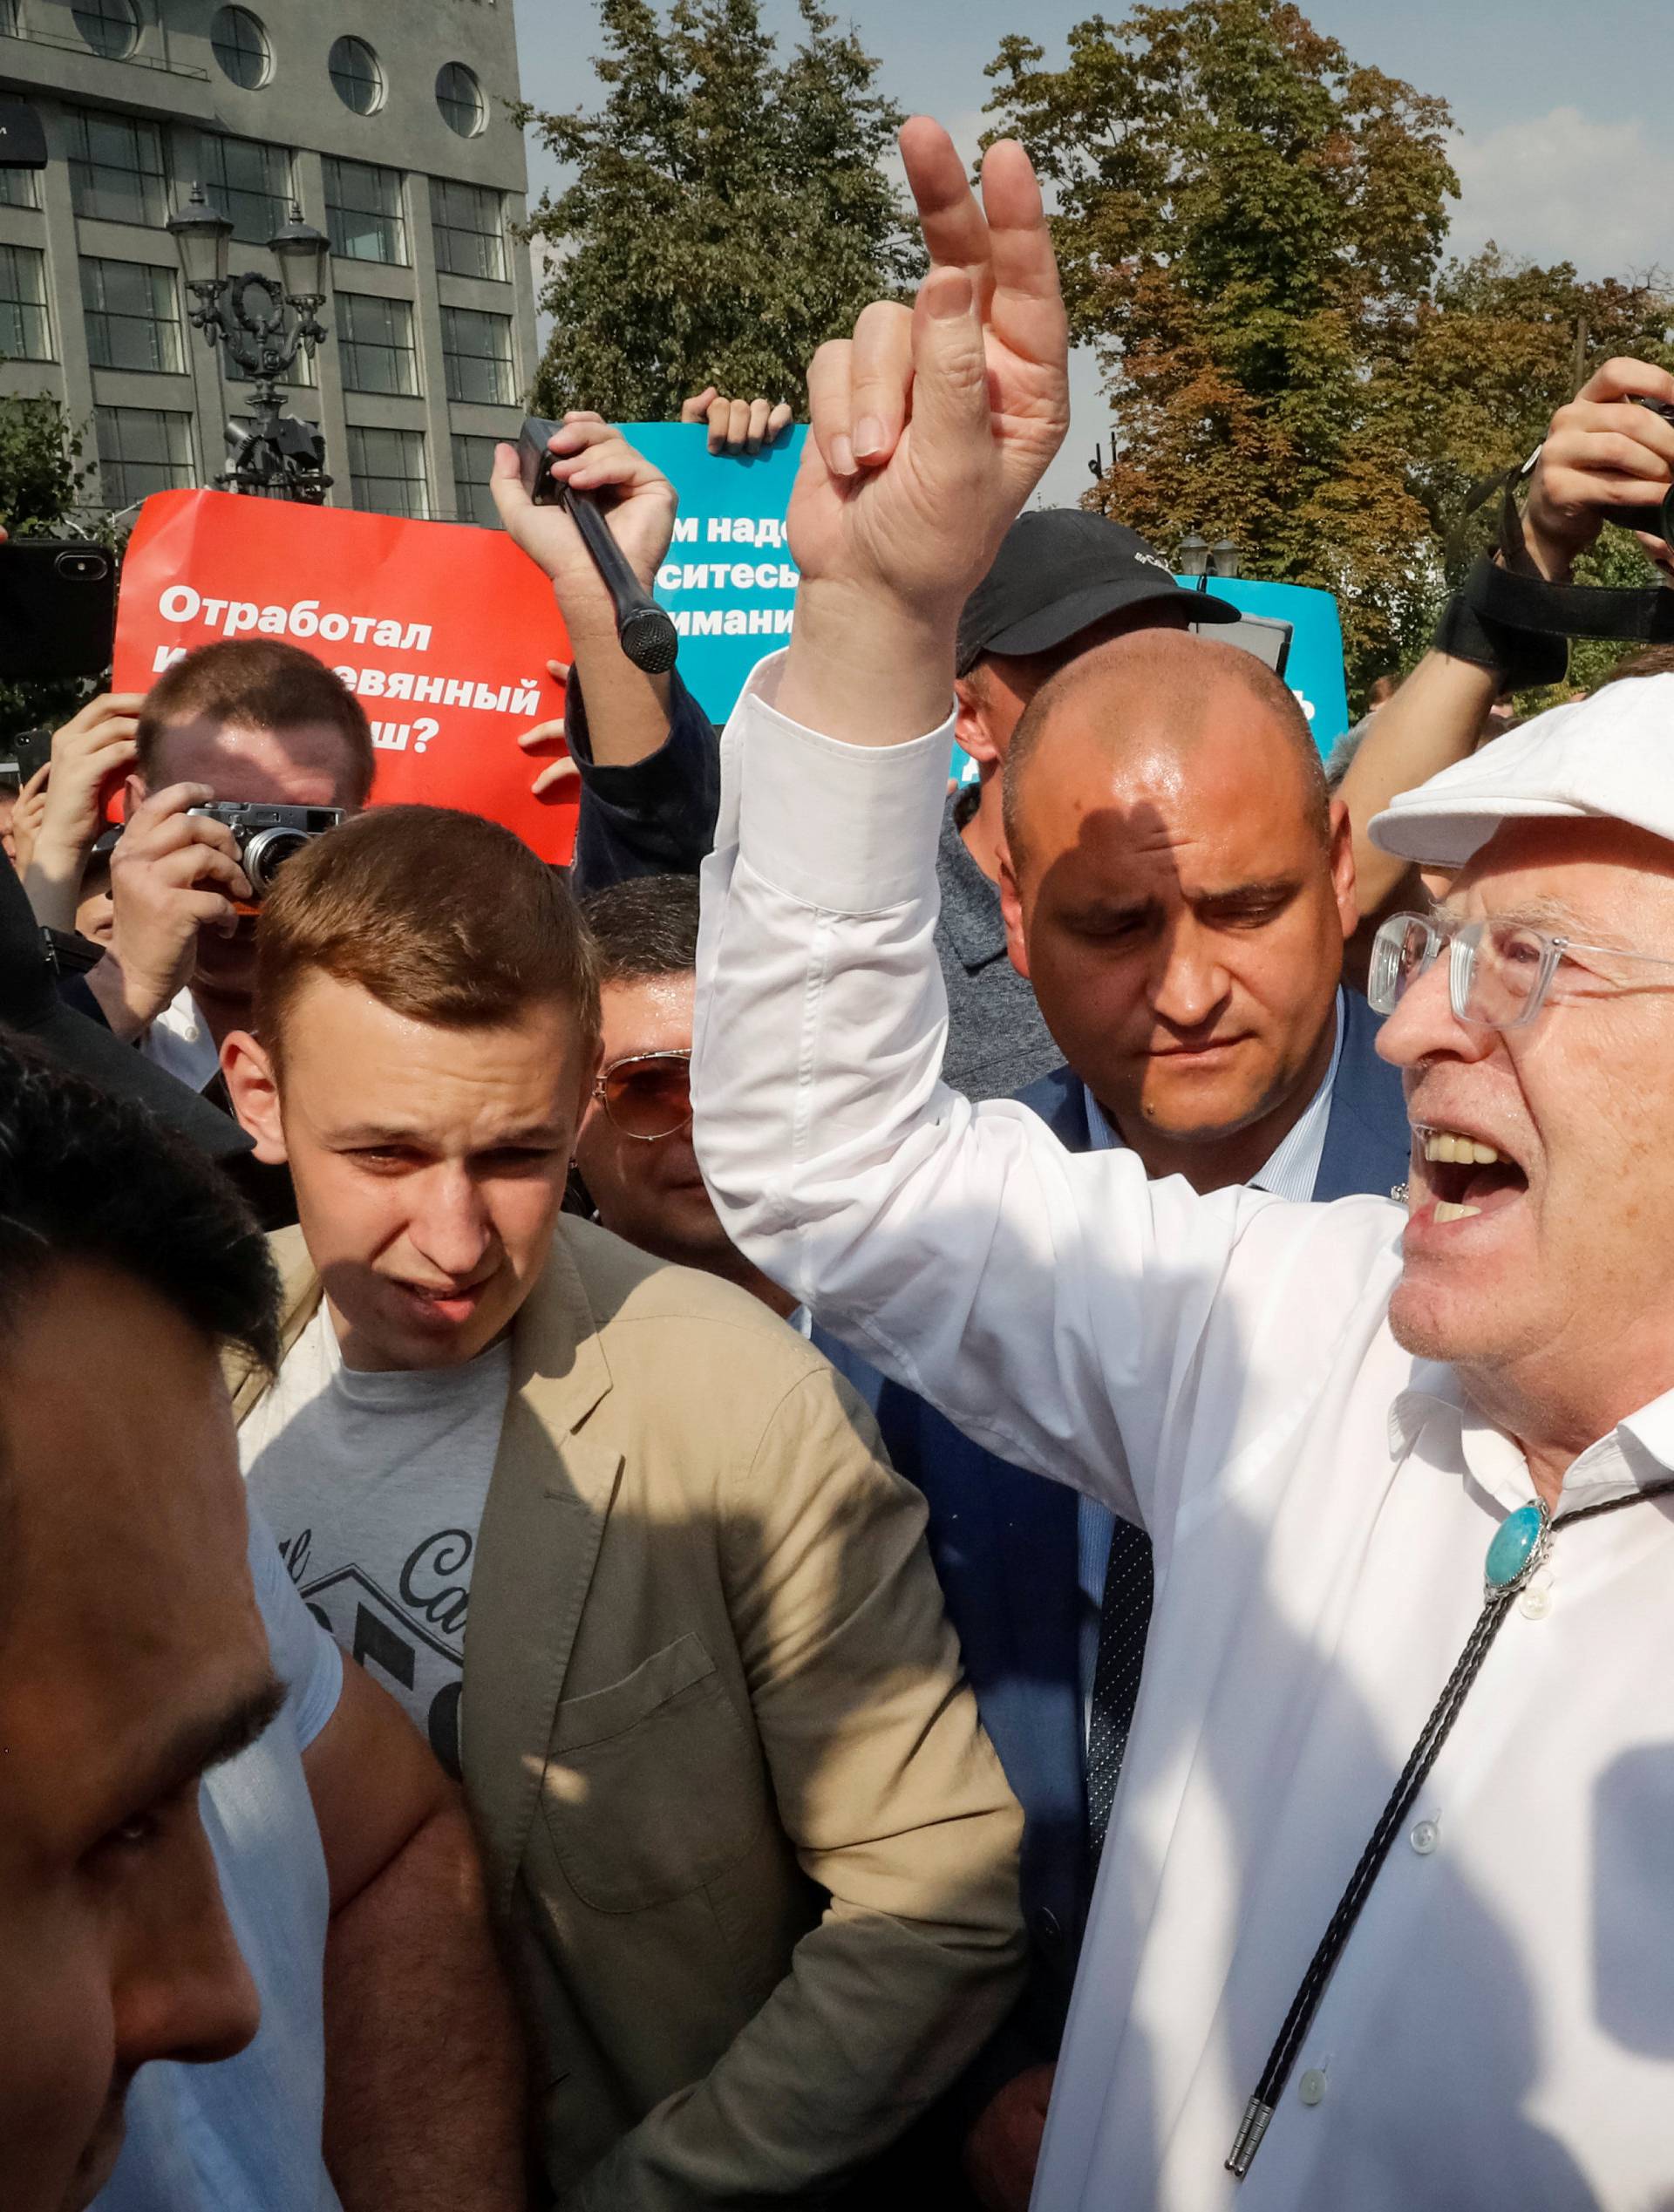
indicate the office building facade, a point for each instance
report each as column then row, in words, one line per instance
column 384, row 121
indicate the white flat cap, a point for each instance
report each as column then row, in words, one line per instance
column 1608, row 757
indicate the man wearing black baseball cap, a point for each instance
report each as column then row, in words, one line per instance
column 1063, row 583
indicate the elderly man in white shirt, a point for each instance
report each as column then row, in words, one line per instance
column 1385, row 1917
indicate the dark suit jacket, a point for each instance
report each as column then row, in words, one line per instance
column 1004, row 1544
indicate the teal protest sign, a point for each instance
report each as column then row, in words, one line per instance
column 729, row 581
column 1314, row 669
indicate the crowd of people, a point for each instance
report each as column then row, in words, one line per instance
column 896, row 1495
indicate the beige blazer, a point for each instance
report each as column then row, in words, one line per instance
column 754, row 1857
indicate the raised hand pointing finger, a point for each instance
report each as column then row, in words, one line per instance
column 927, row 432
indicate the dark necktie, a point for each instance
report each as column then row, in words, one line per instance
column 1123, row 1619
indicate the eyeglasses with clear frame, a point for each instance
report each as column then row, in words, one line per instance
column 1499, row 971
column 647, row 1095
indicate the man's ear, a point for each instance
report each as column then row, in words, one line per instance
column 253, row 1089
column 1342, row 856
column 1011, row 909
column 590, row 1068
column 970, row 730
column 134, row 795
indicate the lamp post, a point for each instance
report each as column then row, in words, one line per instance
column 263, row 322
column 1193, row 557
column 1223, row 559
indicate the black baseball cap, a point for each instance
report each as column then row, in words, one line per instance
column 1059, row 570
column 30, row 1006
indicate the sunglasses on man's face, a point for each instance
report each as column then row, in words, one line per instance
column 647, row 1095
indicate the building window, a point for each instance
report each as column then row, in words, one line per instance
column 252, row 182
column 459, row 97
column 363, row 212
column 141, row 450
column 357, row 75
column 133, row 320
column 375, row 344
column 18, row 189
column 9, row 24
column 25, row 334
column 240, row 45
column 477, row 354
column 386, row 470
column 473, row 462
column 117, row 173
column 110, row 27
column 467, row 223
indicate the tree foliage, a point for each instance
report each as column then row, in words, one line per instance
column 1248, row 221
column 729, row 210
column 41, row 480
column 1251, row 227
column 41, row 471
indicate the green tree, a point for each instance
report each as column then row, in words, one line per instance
column 1248, row 221
column 1251, row 228
column 729, row 210
column 41, row 471
column 41, row 480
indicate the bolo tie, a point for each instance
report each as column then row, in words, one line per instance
column 1520, row 1548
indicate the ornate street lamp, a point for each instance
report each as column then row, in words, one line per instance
column 1223, row 558
column 1194, row 556
column 263, row 322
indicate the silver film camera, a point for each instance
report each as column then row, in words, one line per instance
column 268, row 836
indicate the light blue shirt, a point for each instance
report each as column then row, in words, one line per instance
column 1290, row 1173
column 245, row 2135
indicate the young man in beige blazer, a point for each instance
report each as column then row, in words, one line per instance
column 626, row 1547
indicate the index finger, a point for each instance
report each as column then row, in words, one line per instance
column 173, row 799
column 1624, row 378
column 956, row 231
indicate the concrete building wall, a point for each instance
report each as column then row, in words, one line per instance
column 172, row 85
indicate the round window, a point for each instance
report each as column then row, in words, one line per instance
column 241, row 47
column 356, row 74
column 459, row 97
column 110, row 27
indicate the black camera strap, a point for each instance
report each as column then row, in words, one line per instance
column 1507, row 616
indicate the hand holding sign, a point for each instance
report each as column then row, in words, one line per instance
column 929, row 429
column 736, row 425
column 546, row 737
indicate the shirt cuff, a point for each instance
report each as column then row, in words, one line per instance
column 850, row 828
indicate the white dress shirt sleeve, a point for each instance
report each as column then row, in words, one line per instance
column 1062, row 1310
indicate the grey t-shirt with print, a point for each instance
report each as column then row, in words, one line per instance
column 374, row 1485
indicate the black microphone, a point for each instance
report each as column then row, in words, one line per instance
column 644, row 630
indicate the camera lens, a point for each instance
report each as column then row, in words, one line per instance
column 267, row 852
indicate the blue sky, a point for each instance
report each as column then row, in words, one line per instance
column 1564, row 144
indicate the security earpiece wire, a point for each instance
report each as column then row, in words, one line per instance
column 1260, row 2110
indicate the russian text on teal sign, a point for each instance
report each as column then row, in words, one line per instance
column 729, row 581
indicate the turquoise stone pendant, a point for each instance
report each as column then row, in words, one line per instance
column 1518, row 1548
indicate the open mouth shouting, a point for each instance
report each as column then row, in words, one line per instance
column 1458, row 1176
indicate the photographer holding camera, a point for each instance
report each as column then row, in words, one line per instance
column 1608, row 453
column 255, row 723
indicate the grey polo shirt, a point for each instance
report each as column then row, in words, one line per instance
column 998, row 1043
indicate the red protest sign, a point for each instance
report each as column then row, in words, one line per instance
column 443, row 631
